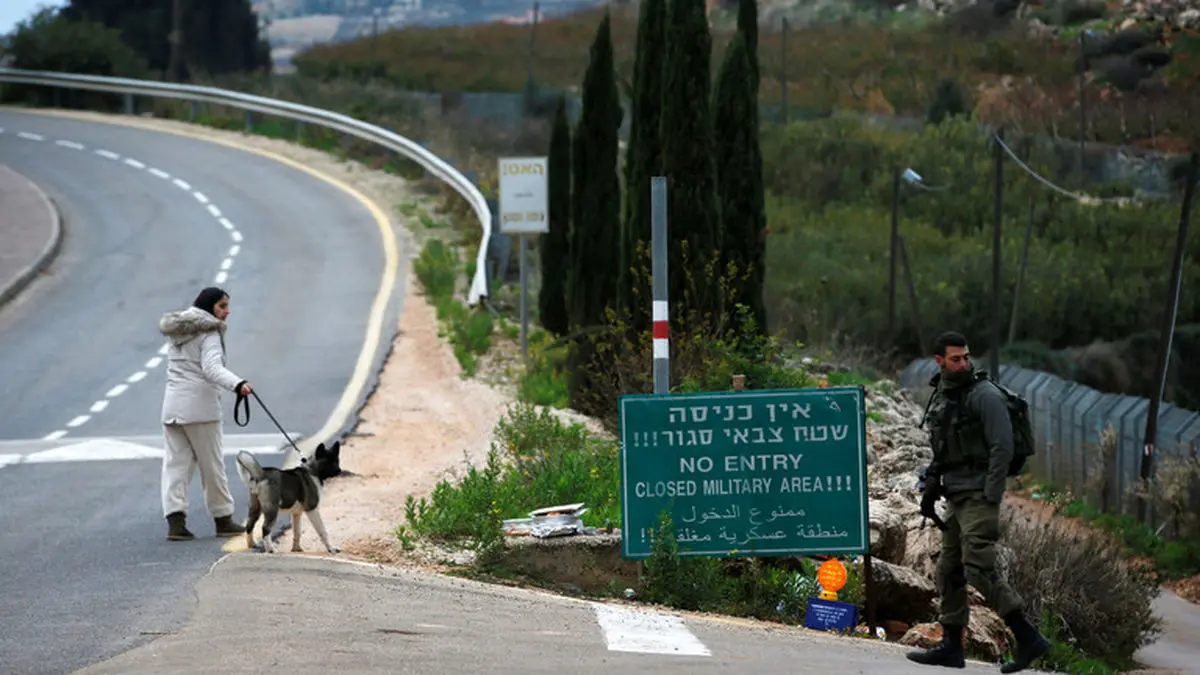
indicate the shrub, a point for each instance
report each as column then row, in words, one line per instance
column 1080, row 582
column 534, row 461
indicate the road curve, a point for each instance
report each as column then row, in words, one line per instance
column 149, row 218
column 302, row 279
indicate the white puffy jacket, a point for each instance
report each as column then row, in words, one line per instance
column 196, row 372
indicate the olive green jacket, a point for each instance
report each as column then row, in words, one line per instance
column 975, row 450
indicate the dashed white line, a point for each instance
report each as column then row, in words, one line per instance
column 134, row 163
column 153, row 363
column 212, row 208
column 182, row 185
column 160, row 173
column 78, row 420
column 136, row 377
column 234, row 250
column 32, row 137
column 109, row 154
column 220, row 278
column 226, row 264
column 99, row 406
column 237, row 236
column 54, row 435
column 200, row 197
column 70, row 144
column 226, row 224
column 116, row 391
column 647, row 632
column 163, row 350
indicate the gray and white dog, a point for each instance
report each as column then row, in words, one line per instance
column 296, row 490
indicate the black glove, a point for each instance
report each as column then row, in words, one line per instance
column 929, row 498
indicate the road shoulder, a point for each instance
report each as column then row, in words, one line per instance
column 32, row 230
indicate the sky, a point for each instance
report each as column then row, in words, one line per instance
column 12, row 11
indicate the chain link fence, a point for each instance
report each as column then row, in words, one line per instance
column 1069, row 420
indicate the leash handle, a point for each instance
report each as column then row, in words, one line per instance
column 244, row 403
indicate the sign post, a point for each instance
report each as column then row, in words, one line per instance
column 523, row 211
column 777, row 472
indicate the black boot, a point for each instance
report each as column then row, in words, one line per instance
column 948, row 653
column 226, row 527
column 1031, row 644
column 176, row 527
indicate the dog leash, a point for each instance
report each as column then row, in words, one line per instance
column 243, row 403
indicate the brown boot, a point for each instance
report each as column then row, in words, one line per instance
column 176, row 527
column 226, row 527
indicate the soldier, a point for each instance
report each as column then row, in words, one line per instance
column 972, row 441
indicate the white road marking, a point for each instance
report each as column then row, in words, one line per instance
column 163, row 350
column 212, row 208
column 226, row 224
column 200, row 197
column 78, row 421
column 99, row 406
column 136, row 377
column 234, row 250
column 32, row 137
column 7, row 459
column 54, row 435
column 109, row 154
column 116, row 391
column 226, row 263
column 237, row 236
column 160, row 173
column 220, row 278
column 134, row 163
column 153, row 363
column 646, row 632
column 182, row 185
column 70, row 144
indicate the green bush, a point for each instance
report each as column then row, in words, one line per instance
column 437, row 270
column 534, row 461
column 545, row 379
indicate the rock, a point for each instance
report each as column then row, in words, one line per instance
column 894, row 629
column 986, row 636
column 888, row 532
column 923, row 550
column 902, row 593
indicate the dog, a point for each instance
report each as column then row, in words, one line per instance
column 296, row 490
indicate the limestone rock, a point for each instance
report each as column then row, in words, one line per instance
column 902, row 593
column 986, row 636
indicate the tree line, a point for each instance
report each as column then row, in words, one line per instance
column 704, row 138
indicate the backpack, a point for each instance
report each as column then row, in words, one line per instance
column 1018, row 415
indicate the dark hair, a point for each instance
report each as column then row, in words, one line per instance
column 208, row 298
column 948, row 339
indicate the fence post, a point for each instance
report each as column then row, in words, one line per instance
column 997, row 217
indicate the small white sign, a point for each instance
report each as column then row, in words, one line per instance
column 523, row 199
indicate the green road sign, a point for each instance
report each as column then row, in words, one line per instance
column 750, row 473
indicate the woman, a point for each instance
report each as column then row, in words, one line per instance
column 191, row 412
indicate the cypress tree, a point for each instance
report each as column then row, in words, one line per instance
column 555, row 244
column 687, row 159
column 643, row 159
column 595, row 235
column 739, row 177
column 747, row 25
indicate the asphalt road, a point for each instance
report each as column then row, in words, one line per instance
column 301, row 614
column 86, row 569
column 301, row 283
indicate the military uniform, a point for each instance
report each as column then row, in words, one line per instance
column 972, row 441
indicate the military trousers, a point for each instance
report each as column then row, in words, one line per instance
column 969, row 557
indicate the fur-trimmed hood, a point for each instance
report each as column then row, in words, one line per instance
column 185, row 325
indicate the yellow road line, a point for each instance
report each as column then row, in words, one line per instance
column 387, row 234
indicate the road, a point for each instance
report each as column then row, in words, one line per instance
column 302, row 614
column 150, row 218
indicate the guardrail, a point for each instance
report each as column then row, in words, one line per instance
column 301, row 113
column 1068, row 420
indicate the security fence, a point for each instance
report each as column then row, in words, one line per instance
column 1069, row 420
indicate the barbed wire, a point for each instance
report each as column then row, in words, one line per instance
column 1061, row 190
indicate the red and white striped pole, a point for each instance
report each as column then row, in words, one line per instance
column 658, row 269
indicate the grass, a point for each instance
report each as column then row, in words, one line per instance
column 469, row 331
column 874, row 67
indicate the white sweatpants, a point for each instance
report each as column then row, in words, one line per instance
column 190, row 446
